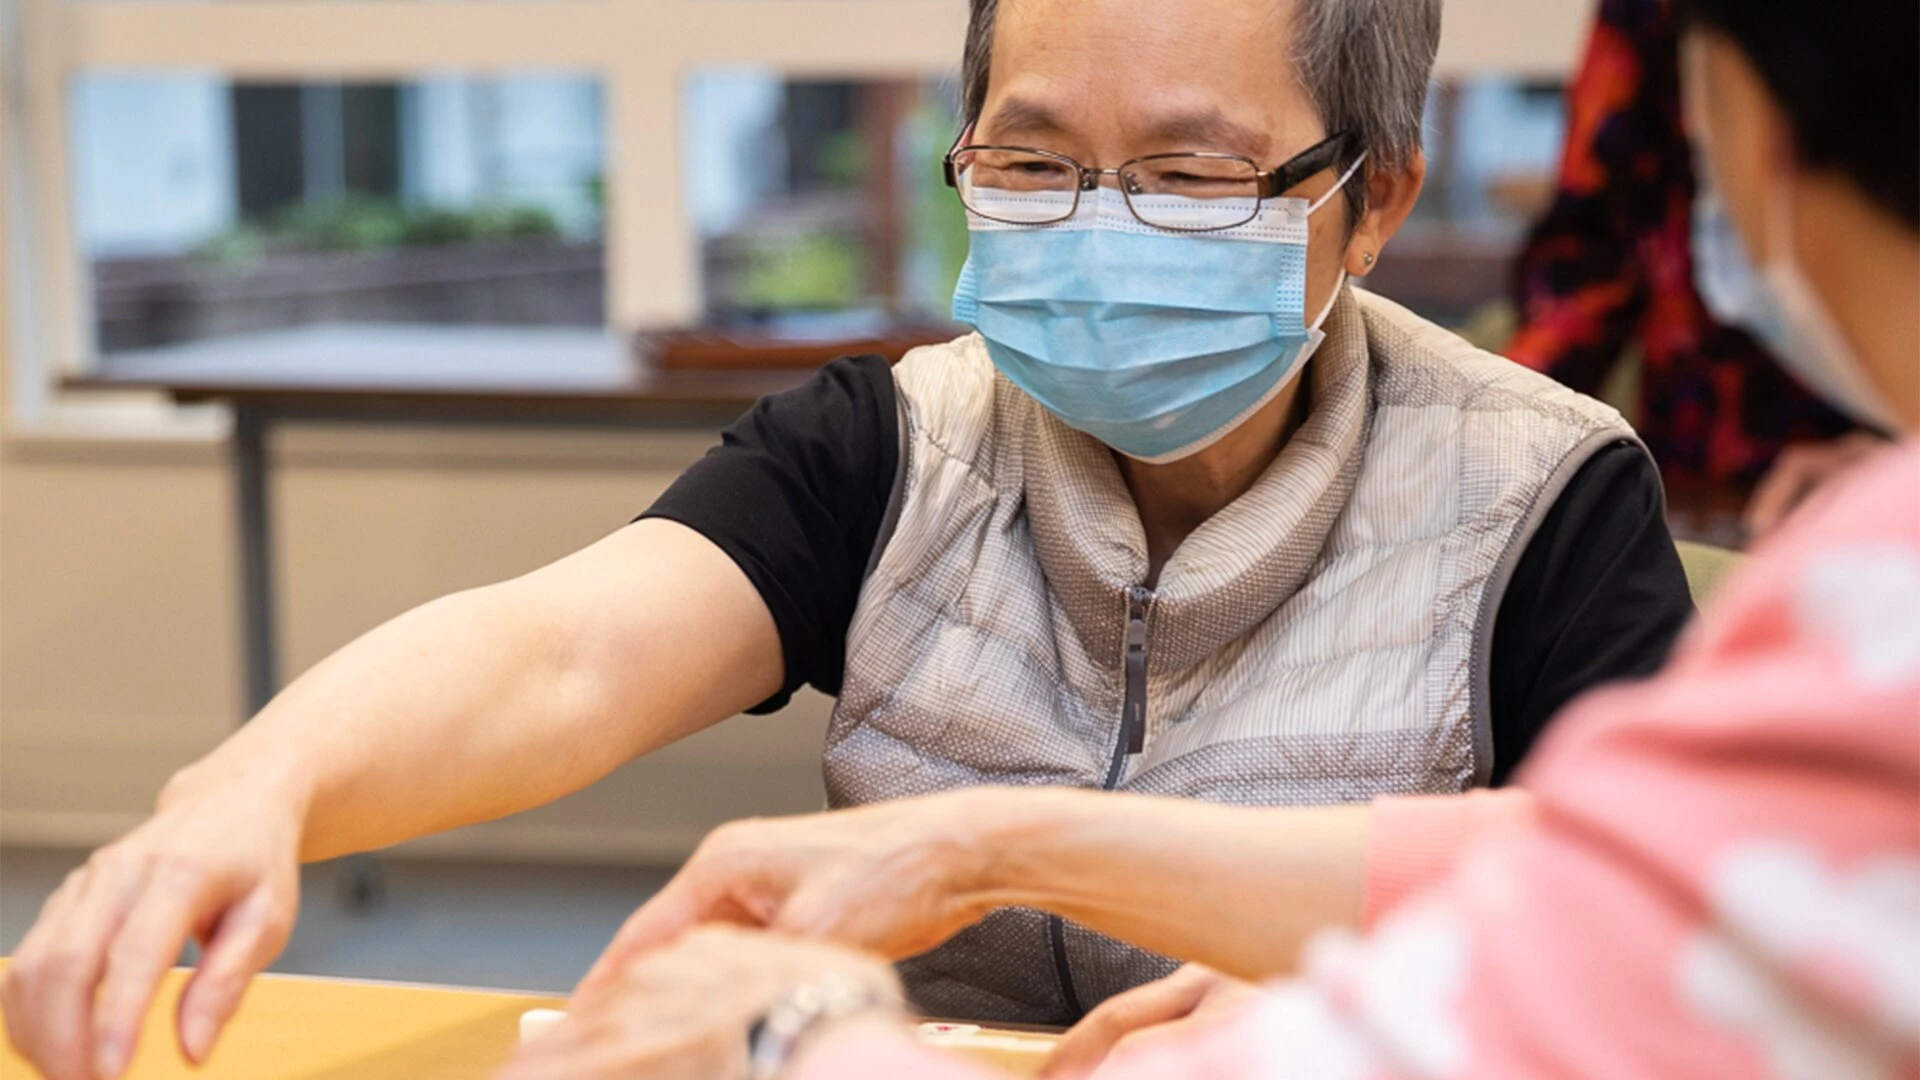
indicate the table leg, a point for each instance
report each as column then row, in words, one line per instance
column 362, row 882
column 256, row 556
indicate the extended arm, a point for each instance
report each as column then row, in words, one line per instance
column 468, row 708
column 492, row 701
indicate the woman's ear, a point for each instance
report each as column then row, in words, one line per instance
column 1390, row 198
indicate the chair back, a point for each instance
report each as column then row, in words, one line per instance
column 1707, row 567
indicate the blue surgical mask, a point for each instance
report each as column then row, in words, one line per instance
column 1156, row 343
column 1778, row 306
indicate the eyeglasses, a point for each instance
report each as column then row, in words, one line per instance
column 1193, row 192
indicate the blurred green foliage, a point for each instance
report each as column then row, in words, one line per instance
column 842, row 159
column 358, row 223
column 938, row 227
column 829, row 269
column 813, row 272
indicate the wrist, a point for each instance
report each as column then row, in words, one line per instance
column 1016, row 838
column 281, row 787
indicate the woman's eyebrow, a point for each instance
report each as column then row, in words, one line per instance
column 1208, row 129
column 1021, row 116
column 1202, row 129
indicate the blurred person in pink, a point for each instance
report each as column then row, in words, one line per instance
column 1715, row 873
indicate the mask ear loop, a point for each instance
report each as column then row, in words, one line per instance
column 1338, row 187
column 1323, row 200
column 1327, row 311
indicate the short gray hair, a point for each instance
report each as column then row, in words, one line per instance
column 1365, row 65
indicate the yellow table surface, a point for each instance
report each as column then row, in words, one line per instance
column 294, row 1027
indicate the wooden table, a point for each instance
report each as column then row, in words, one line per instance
column 303, row 1028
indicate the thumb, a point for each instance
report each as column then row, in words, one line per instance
column 671, row 912
column 1089, row 1042
column 817, row 909
column 835, row 907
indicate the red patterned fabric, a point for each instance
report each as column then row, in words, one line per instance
column 1610, row 268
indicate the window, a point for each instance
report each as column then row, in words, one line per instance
column 149, row 145
column 1493, row 150
column 821, row 203
column 209, row 208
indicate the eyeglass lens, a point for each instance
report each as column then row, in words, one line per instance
column 1185, row 192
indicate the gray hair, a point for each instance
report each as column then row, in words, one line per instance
column 1365, row 65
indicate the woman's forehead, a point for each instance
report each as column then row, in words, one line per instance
column 1214, row 74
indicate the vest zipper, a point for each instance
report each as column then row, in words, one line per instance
column 1133, row 709
column 1131, row 740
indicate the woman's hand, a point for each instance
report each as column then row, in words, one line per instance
column 685, row 1010
column 892, row 878
column 1799, row 471
column 1235, row 887
column 1177, row 1007
column 220, row 866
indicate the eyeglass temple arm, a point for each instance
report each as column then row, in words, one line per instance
column 1321, row 156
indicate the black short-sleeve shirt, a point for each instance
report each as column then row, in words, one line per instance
column 797, row 491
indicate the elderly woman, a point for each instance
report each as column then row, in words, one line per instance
column 1714, row 874
column 1188, row 516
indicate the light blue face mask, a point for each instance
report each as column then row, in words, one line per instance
column 1779, row 307
column 1156, row 343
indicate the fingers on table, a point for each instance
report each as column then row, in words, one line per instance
column 51, row 984
column 180, row 895
column 243, row 943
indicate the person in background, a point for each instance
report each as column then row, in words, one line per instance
column 1610, row 269
column 1712, row 874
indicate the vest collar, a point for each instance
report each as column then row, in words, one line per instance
column 1241, row 564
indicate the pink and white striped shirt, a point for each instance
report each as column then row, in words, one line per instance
column 1712, row 874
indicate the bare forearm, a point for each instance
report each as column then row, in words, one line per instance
column 1240, row 889
column 454, row 712
column 496, row 700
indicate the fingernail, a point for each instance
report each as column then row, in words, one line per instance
column 196, row 1036
column 110, row 1056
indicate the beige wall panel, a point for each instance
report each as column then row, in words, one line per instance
column 1537, row 38
column 115, row 607
column 118, row 635
column 369, row 525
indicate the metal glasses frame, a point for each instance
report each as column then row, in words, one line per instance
column 1272, row 183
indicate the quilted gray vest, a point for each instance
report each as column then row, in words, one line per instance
column 1323, row 639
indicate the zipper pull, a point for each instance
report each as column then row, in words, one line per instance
column 1134, row 715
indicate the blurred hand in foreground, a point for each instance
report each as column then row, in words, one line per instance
column 685, row 1010
column 892, row 878
column 1176, row 1009
column 1800, row 470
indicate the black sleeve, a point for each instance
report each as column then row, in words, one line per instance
column 1600, row 596
column 795, row 493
